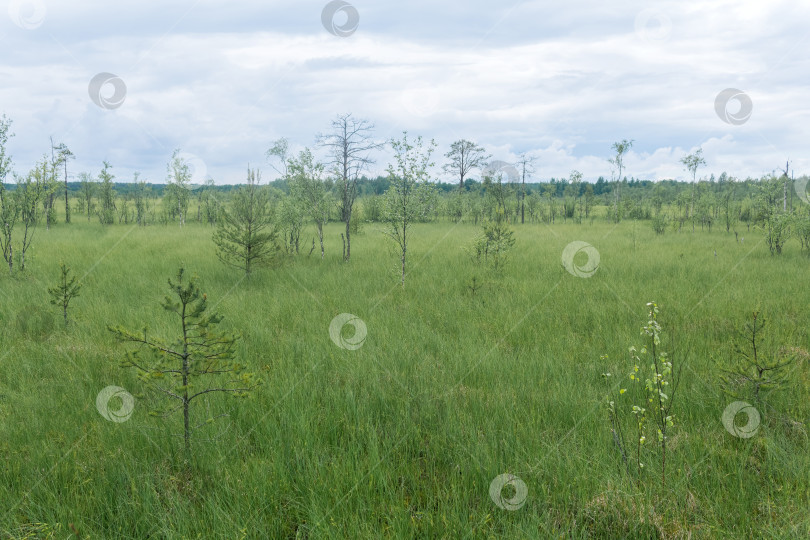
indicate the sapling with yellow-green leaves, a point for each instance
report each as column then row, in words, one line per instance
column 646, row 401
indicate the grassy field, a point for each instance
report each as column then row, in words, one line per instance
column 402, row 437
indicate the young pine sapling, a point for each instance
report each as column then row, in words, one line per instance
column 67, row 289
column 755, row 372
column 182, row 368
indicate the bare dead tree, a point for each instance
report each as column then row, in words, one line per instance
column 525, row 165
column 350, row 145
column 786, row 176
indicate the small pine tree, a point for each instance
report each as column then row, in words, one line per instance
column 106, row 196
column 492, row 246
column 67, row 289
column 246, row 236
column 754, row 372
column 177, row 369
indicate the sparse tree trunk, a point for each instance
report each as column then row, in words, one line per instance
column 350, row 144
column 320, row 237
column 347, row 243
column 67, row 200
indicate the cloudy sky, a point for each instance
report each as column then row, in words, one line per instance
column 559, row 80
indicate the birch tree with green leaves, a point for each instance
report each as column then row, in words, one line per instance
column 178, row 192
column 464, row 156
column 106, row 195
column 308, row 183
column 410, row 195
column 9, row 210
column 29, row 193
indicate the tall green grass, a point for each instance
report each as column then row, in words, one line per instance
column 402, row 437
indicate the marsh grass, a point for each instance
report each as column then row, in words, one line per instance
column 402, row 437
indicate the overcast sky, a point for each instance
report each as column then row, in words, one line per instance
column 559, row 80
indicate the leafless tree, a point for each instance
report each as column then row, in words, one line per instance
column 786, row 176
column 350, row 145
column 525, row 165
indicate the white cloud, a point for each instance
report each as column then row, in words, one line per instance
column 560, row 81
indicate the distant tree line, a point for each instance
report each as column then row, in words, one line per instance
column 256, row 221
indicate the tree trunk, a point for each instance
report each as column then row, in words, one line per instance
column 522, row 199
column 67, row 202
column 186, row 368
column 320, row 237
column 404, row 251
column 347, row 253
column 186, row 430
